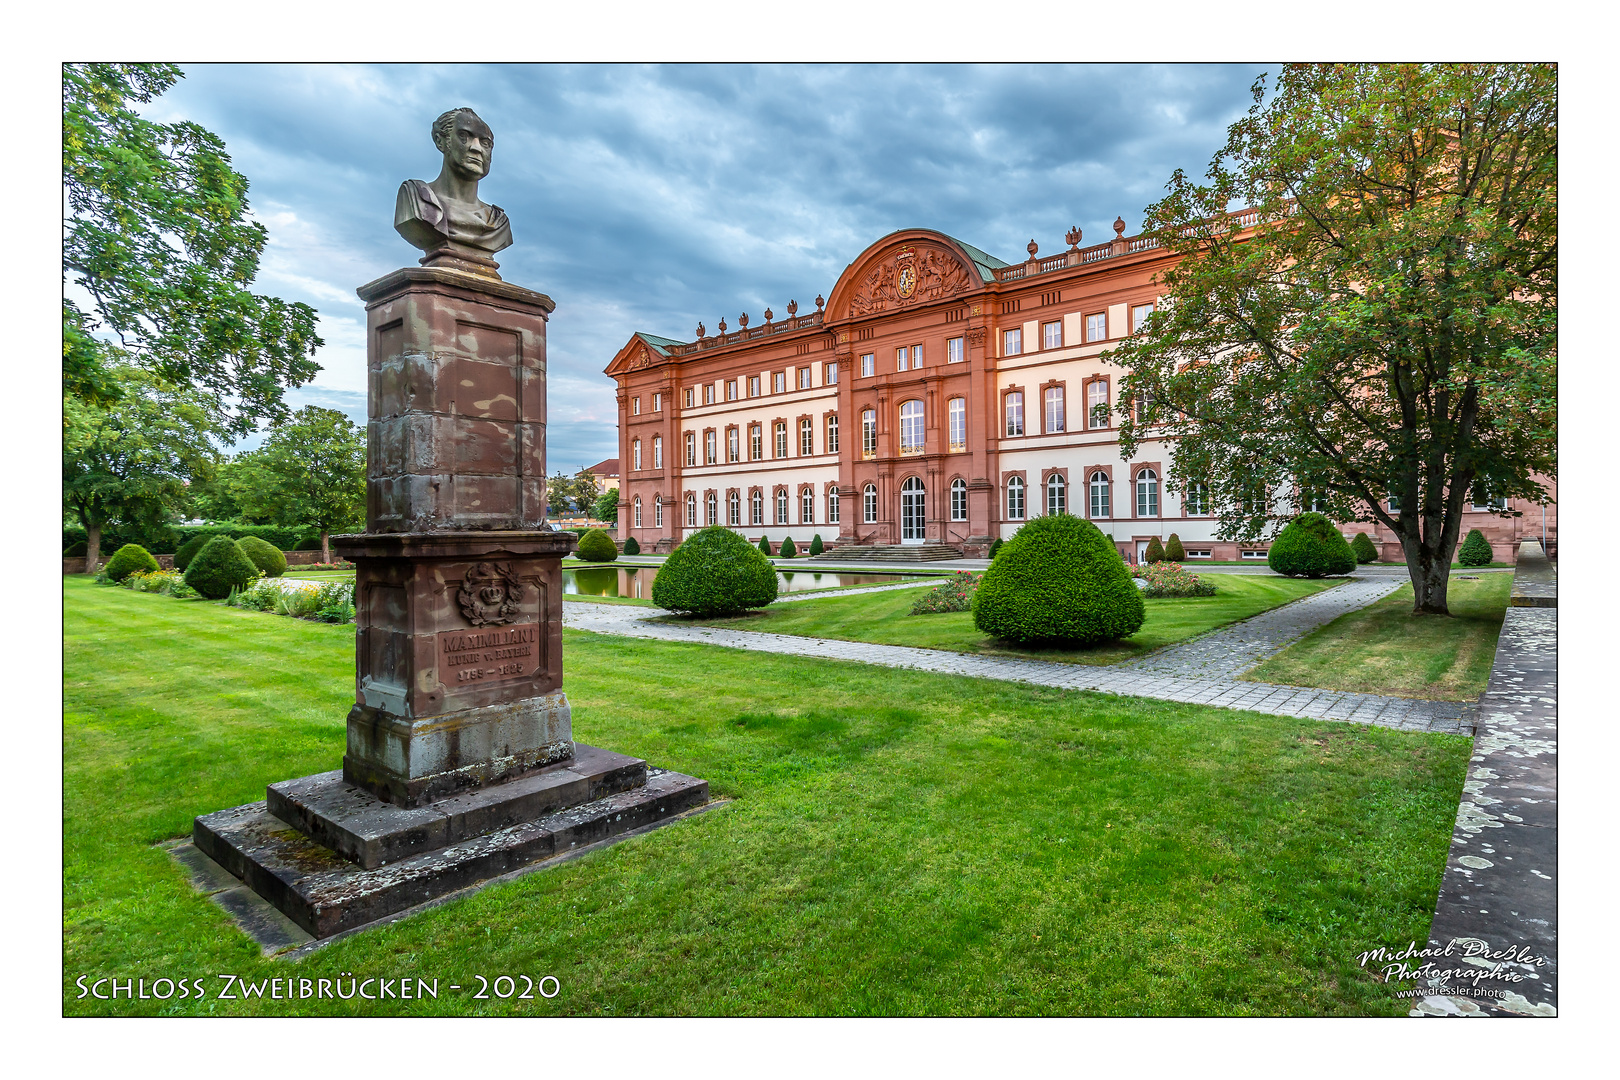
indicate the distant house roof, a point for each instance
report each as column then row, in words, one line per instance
column 610, row 467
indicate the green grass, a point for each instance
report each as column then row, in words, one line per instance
column 1385, row 649
column 882, row 618
column 898, row 842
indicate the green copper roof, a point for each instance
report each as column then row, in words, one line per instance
column 660, row 343
column 986, row 263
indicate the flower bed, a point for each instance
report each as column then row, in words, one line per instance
column 955, row 593
column 1168, row 579
column 323, row 601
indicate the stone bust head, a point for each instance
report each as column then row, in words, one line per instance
column 446, row 217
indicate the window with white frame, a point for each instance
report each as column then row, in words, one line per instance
column 869, row 501
column 832, row 434
column 756, row 508
column 733, row 441
column 1139, row 315
column 958, row 499
column 658, row 451
column 635, row 505
column 688, row 397
column 779, row 382
column 733, row 508
column 804, row 378
column 658, row 511
column 1255, row 554
column 953, row 350
column 807, row 506
column 807, row 437
column 708, row 393
column 1052, row 335
column 756, row 442
column 1101, row 503
column 868, row 364
column 710, row 456
column 753, row 386
column 1147, row 494
column 1485, row 502
column 635, row 453
column 1097, row 326
column 911, row 427
column 1057, row 494
column 916, row 357
column 832, row 506
column 1196, row 553
column 830, row 374
column 731, row 389
column 691, row 510
column 635, row 406
column 711, row 509
column 1012, row 342
column 1015, row 498
column 691, row 449
column 868, row 433
column 781, row 506
column 781, row 438
column 1015, row 413
column 902, row 357
column 1097, row 403
column 1196, row 500
column 956, row 422
column 1054, row 409
column 658, row 403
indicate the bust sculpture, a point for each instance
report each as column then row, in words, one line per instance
column 446, row 218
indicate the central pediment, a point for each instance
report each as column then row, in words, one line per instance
column 901, row 271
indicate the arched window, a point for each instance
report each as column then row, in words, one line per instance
column 956, row 414
column 832, row 434
column 756, row 442
column 733, row 508
column 691, row 449
column 911, row 427
column 691, row 510
column 869, row 497
column 1097, row 403
column 658, row 451
column 658, row 511
column 1147, row 494
column 868, row 433
column 1057, row 494
column 731, row 444
column 958, row 499
column 711, row 509
column 781, row 438
column 1015, row 499
column 1197, row 499
column 756, row 508
column 807, row 506
column 832, row 506
column 635, row 454
column 1054, row 409
column 1100, row 502
column 807, row 435
column 1015, row 413
column 709, row 456
column 636, row 504
column 781, row 506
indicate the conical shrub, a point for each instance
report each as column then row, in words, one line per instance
column 631, row 547
column 1363, row 549
column 1474, row 551
column 1173, row 551
column 816, row 547
column 764, row 544
column 1154, row 552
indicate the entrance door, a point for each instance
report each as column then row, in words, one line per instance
column 1141, row 552
column 911, row 511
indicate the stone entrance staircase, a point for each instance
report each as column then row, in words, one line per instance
column 892, row 553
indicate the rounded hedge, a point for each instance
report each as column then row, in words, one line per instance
column 75, row 549
column 189, row 549
column 1362, row 548
column 1154, row 551
column 788, row 550
column 1059, row 580
column 597, row 546
column 264, row 555
column 1309, row 546
column 1173, row 551
column 714, row 572
column 631, row 547
column 816, row 546
column 1475, row 550
column 995, row 547
column 129, row 559
column 220, row 567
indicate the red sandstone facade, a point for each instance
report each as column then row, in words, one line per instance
column 940, row 396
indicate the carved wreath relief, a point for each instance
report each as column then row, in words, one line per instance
column 490, row 594
column 910, row 277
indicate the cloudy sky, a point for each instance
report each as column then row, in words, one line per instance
column 648, row 198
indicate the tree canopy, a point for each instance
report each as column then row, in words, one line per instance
column 1380, row 332
column 311, row 471
column 158, row 236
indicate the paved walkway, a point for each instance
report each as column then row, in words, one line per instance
column 1202, row 671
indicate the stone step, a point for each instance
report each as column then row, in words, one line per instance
column 325, row 893
column 890, row 553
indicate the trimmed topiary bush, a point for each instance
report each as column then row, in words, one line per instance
column 788, row 550
column 631, row 547
column 764, row 544
column 1309, row 546
column 1058, row 581
column 816, row 547
column 220, row 567
column 76, row 549
column 1173, row 551
column 1474, row 551
column 132, row 558
column 995, row 546
column 1154, row 552
column 189, row 549
column 597, row 546
column 1362, row 548
column 265, row 555
column 714, row 572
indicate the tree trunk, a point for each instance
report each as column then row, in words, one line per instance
column 1431, row 574
column 92, row 548
column 326, row 546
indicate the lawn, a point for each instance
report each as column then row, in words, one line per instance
column 882, row 618
column 1385, row 649
column 897, row 842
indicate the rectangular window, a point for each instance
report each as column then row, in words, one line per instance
column 635, row 455
column 708, row 393
column 868, row 362
column 1052, row 335
column 953, row 350
column 709, row 455
column 832, row 375
column 807, row 507
column 779, row 382
column 1196, row 553
column 1015, row 413
column 956, row 411
column 807, row 437
column 832, row 506
column 756, row 443
column 733, row 450
column 901, row 357
column 781, row 439
column 658, row 513
column 658, row 452
column 1254, row 554
column 691, row 449
column 868, row 433
column 1196, row 500
column 753, row 386
column 1097, row 404
column 1139, row 315
column 1012, row 342
column 781, row 508
column 688, row 397
column 731, row 389
column 635, row 406
column 1054, row 409
column 1097, row 327
column 658, row 403
column 916, row 357
column 804, row 378
column 832, row 434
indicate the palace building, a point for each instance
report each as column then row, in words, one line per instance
column 938, row 397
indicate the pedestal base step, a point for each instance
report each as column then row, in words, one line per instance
column 326, row 894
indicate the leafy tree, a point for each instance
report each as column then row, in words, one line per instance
column 311, row 470
column 1388, row 326
column 129, row 460
column 606, row 507
column 560, row 494
column 585, row 491
column 158, row 237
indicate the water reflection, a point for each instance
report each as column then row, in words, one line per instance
column 637, row 581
